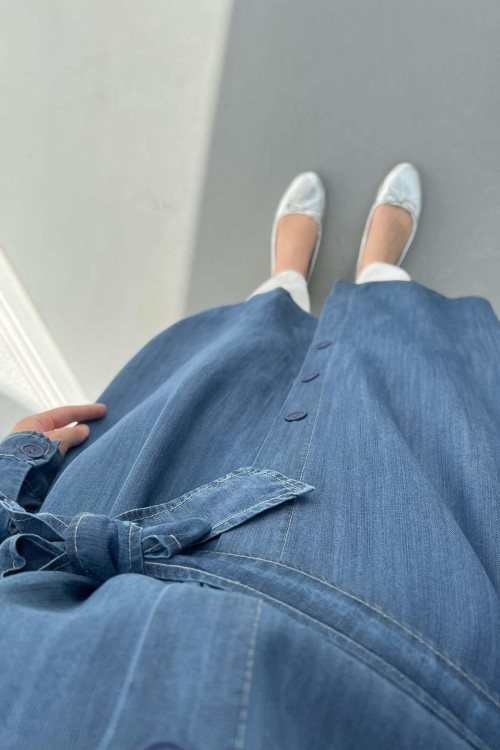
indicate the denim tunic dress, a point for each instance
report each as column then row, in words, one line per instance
column 283, row 535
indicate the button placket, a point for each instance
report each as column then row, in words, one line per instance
column 295, row 416
column 286, row 446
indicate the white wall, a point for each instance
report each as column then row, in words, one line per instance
column 106, row 109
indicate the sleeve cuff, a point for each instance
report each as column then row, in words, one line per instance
column 29, row 462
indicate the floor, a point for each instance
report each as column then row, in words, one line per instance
column 144, row 149
column 349, row 90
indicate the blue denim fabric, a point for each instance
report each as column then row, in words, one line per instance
column 244, row 556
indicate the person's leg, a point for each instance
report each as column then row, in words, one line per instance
column 293, row 282
column 295, row 239
column 381, row 271
column 390, row 229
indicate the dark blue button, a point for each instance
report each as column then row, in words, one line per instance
column 295, row 415
column 323, row 344
column 32, row 449
column 311, row 376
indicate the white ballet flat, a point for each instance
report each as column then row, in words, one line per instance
column 304, row 195
column 401, row 187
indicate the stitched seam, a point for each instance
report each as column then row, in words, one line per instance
column 31, row 462
column 64, row 565
column 157, row 545
column 334, row 348
column 21, row 460
column 38, row 516
column 277, row 475
column 119, row 706
column 313, row 428
column 263, row 502
column 275, row 421
column 176, row 540
column 190, row 495
column 292, row 512
column 281, row 478
column 303, row 467
column 429, row 644
column 287, row 530
column 33, row 541
column 247, row 681
column 57, row 519
column 33, row 491
column 130, row 547
column 76, row 545
column 342, row 635
column 294, row 485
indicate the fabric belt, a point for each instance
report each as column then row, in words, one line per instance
column 96, row 545
column 93, row 544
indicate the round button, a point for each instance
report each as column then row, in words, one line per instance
column 32, row 449
column 295, row 415
column 323, row 344
column 311, row 376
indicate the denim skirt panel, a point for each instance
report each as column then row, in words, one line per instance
column 285, row 533
column 138, row 663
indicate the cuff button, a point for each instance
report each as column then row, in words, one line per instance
column 32, row 450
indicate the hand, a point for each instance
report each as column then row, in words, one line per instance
column 53, row 423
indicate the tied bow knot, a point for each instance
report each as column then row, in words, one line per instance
column 90, row 544
column 102, row 547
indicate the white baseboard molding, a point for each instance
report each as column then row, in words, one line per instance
column 41, row 374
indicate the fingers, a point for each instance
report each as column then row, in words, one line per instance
column 69, row 436
column 53, row 423
column 63, row 415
